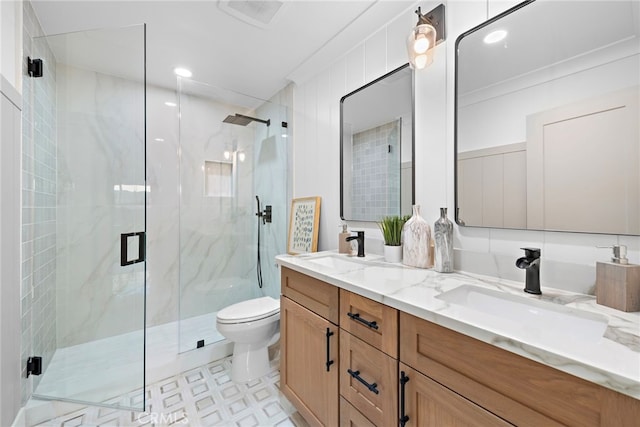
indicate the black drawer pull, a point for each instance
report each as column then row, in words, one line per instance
column 329, row 362
column 403, row 381
column 372, row 325
column 372, row 387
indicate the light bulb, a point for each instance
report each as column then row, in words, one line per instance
column 241, row 156
column 227, row 155
column 421, row 61
column 421, row 45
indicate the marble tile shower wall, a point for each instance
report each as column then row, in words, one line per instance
column 38, row 311
column 376, row 176
column 216, row 249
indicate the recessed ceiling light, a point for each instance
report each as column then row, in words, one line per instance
column 495, row 36
column 182, row 72
column 170, row 104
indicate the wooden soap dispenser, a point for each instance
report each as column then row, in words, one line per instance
column 618, row 282
column 344, row 247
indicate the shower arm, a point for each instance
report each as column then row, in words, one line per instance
column 266, row 122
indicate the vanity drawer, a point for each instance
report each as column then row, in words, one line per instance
column 373, row 322
column 360, row 363
column 316, row 295
column 350, row 416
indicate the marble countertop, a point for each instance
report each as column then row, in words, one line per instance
column 607, row 354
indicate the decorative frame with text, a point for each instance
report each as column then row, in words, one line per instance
column 303, row 225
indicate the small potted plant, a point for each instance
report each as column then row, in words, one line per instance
column 391, row 227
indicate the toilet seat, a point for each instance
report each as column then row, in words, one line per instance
column 249, row 311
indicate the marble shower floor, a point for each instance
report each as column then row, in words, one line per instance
column 204, row 396
column 101, row 369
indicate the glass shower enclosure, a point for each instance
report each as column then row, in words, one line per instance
column 84, row 217
column 233, row 161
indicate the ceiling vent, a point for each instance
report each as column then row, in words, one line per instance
column 259, row 13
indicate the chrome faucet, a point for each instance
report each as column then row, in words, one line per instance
column 531, row 264
column 360, row 239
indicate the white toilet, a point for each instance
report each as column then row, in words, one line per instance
column 251, row 325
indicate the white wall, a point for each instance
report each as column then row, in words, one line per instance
column 568, row 258
column 11, row 42
column 10, row 331
column 10, row 154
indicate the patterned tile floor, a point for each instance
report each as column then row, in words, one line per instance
column 204, row 396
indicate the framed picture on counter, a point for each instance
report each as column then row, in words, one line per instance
column 304, row 221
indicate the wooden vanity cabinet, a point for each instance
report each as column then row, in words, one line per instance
column 328, row 334
column 309, row 339
column 513, row 388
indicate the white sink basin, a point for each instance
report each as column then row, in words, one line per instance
column 338, row 263
column 544, row 322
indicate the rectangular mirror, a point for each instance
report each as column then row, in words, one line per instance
column 546, row 119
column 376, row 148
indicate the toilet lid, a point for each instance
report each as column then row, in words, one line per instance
column 246, row 311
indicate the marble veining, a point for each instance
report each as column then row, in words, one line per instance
column 612, row 361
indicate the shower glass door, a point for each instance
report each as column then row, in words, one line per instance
column 89, row 121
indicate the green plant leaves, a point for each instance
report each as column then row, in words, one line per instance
column 391, row 227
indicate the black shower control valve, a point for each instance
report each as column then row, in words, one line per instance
column 267, row 214
column 200, row 344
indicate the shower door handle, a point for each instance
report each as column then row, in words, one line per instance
column 124, row 247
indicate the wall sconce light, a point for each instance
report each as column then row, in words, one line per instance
column 428, row 33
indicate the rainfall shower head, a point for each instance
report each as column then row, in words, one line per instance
column 242, row 120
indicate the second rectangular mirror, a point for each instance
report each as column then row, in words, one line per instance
column 547, row 134
column 376, row 148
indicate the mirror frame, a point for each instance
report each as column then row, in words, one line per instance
column 413, row 139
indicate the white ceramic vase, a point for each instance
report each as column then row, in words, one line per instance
column 393, row 253
column 416, row 238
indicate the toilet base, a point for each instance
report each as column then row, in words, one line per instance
column 249, row 361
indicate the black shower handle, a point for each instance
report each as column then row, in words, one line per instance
column 124, row 248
